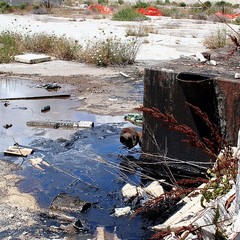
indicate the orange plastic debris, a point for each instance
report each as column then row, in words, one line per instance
column 150, row 11
column 99, row 8
column 229, row 16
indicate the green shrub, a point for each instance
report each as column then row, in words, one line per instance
column 182, row 4
column 141, row 5
column 237, row 21
column 128, row 14
column 23, row 6
column 9, row 46
column 111, row 51
column 103, row 2
column 5, row 7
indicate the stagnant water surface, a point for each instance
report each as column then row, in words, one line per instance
column 83, row 163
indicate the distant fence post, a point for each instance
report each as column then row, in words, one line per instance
column 238, row 177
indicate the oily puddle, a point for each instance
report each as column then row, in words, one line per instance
column 87, row 163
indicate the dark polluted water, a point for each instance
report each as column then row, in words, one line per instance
column 86, row 164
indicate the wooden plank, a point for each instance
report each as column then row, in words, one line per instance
column 36, row 97
column 61, row 123
column 18, row 151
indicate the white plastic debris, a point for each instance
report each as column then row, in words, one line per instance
column 213, row 62
column 200, row 57
column 122, row 211
column 36, row 162
column 129, row 192
column 237, row 75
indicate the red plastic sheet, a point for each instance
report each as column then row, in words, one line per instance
column 150, row 11
column 99, row 8
column 229, row 16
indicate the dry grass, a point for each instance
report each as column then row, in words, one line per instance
column 216, row 39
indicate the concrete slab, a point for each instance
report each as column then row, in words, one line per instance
column 32, row 58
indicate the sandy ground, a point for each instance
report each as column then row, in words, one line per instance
column 103, row 90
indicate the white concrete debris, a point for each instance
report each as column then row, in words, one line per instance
column 122, row 211
column 154, row 189
column 200, row 57
column 129, row 192
column 32, row 58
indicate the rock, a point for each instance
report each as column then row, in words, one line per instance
column 129, row 137
column 129, row 192
column 122, row 211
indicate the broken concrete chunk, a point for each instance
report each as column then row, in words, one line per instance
column 154, row 189
column 129, row 192
column 32, row 58
column 122, row 211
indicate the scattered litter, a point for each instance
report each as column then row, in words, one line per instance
column 18, row 151
column 49, row 86
column 213, row 62
column 200, row 57
column 6, row 104
column 21, row 108
column 36, row 163
column 125, row 75
column 237, row 75
column 122, row 211
column 135, row 118
column 45, row 109
column 132, row 193
column 7, row 126
column 65, row 202
column 32, row 58
column 61, row 123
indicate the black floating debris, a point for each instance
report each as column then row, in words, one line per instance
column 49, row 86
column 6, row 104
column 45, row 109
column 65, row 202
column 7, row 126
